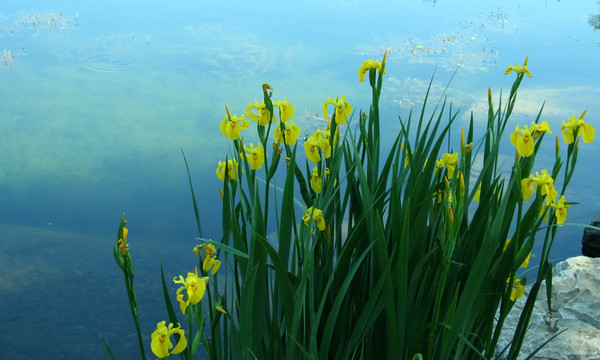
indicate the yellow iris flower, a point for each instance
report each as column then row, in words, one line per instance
column 540, row 128
column 232, row 126
column 450, row 161
column 255, row 156
column 317, row 217
column 263, row 117
column 370, row 65
column 210, row 261
column 194, row 287
column 316, row 143
column 286, row 110
column 232, row 166
column 316, row 180
column 343, row 109
column 560, row 209
column 522, row 139
column 575, row 127
column 161, row 340
column 541, row 182
column 291, row 133
column 519, row 69
column 517, row 291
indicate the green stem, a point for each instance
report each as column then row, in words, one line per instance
column 134, row 310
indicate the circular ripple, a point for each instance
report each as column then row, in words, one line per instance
column 111, row 63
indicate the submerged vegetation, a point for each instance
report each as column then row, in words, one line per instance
column 409, row 253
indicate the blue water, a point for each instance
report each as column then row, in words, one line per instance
column 97, row 102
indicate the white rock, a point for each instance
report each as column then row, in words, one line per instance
column 575, row 307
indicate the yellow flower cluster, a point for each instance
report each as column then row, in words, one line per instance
column 232, row 126
column 543, row 183
column 263, row 115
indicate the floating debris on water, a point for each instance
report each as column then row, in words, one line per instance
column 7, row 57
column 50, row 21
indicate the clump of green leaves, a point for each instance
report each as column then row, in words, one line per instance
column 407, row 253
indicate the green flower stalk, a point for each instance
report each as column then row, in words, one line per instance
column 123, row 259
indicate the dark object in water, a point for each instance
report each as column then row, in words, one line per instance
column 591, row 239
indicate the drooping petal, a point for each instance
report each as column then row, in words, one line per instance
column 588, row 132
column 286, row 109
column 312, row 151
column 264, row 115
column 324, row 109
column 182, row 342
column 527, row 188
column 221, row 171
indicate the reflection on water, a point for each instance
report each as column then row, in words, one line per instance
column 99, row 100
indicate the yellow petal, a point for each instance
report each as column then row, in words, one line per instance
column 182, row 342
column 517, row 291
column 216, row 266
column 588, row 132
column 527, row 188
column 526, row 261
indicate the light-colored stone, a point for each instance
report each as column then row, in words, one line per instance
column 575, row 309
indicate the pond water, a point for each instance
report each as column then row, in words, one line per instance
column 98, row 101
